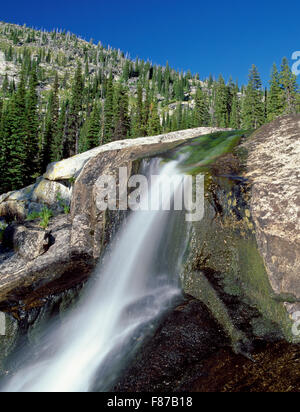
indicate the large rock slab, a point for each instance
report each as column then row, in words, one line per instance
column 25, row 283
column 14, row 204
column 274, row 172
column 51, row 193
column 71, row 168
column 76, row 241
column 28, row 242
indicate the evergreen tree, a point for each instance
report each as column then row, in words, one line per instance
column 122, row 123
column 16, row 134
column 235, row 116
column 109, row 111
column 5, row 85
column 60, row 132
column 126, row 71
column 154, row 127
column 91, row 133
column 221, row 104
column 32, row 140
column 49, row 143
column 275, row 98
column 74, row 116
column 289, row 87
column 253, row 108
column 146, row 112
column 201, row 114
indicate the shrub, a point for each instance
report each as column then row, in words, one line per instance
column 45, row 216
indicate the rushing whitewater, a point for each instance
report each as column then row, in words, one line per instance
column 135, row 283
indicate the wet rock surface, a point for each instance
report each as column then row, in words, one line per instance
column 190, row 353
column 187, row 335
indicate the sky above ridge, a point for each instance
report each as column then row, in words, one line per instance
column 204, row 36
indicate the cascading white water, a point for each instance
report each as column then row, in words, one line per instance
column 130, row 290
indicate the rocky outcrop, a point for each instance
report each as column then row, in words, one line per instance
column 75, row 241
column 72, row 167
column 28, row 243
column 21, row 203
column 53, row 268
column 244, row 255
column 243, row 262
column 273, row 169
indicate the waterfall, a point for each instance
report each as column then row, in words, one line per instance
column 132, row 287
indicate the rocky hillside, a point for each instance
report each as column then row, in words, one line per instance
column 60, row 51
column 61, row 95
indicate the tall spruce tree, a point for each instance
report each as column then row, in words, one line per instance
column 154, row 127
column 91, row 131
column 32, row 139
column 289, row 87
column 109, row 111
column 221, row 104
column 122, row 123
column 74, row 115
column 253, row 115
column 201, row 114
column 16, row 137
column 275, row 96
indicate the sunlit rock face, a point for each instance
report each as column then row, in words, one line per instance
column 71, row 243
column 274, row 172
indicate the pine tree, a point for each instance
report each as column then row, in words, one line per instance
column 74, row 116
column 146, row 112
column 138, row 123
column 5, row 85
column 235, row 113
column 154, row 127
column 275, row 98
column 126, row 71
column 58, row 137
column 253, row 108
column 201, row 114
column 122, row 125
column 109, row 111
column 91, row 131
column 32, row 140
column 16, row 137
column 221, row 103
column 289, row 87
column 49, row 144
column 235, row 116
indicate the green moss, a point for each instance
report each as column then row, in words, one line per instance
column 256, row 285
column 198, row 286
column 204, row 150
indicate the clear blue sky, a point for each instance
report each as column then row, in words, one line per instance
column 204, row 36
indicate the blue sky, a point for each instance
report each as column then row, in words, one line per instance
column 203, row 36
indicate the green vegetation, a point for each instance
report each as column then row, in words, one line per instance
column 61, row 95
column 3, row 226
column 33, row 216
column 62, row 203
column 44, row 215
column 206, row 149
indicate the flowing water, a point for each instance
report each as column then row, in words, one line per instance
column 133, row 286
